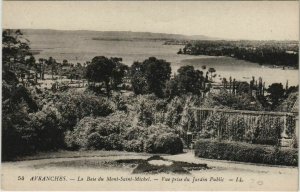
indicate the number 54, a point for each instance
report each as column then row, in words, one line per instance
column 20, row 178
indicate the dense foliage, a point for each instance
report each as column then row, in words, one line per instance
column 98, row 133
column 117, row 133
column 107, row 71
column 225, row 99
column 237, row 151
column 73, row 106
column 150, row 76
column 188, row 80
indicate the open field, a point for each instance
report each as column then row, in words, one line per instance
column 101, row 164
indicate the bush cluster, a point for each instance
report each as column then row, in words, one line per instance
column 73, row 106
column 98, row 133
column 166, row 143
column 115, row 132
column 162, row 139
column 237, row 151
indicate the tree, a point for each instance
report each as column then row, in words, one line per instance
column 150, row 76
column 42, row 67
column 242, row 87
column 108, row 71
column 17, row 101
column 138, row 79
column 15, row 49
column 118, row 72
column 172, row 88
column 52, row 63
column 190, row 80
column 276, row 94
column 65, row 62
column 30, row 61
column 211, row 71
column 15, row 52
column 157, row 72
column 290, row 90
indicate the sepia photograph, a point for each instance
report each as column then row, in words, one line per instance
column 150, row 95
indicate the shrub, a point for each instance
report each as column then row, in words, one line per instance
column 115, row 132
column 77, row 138
column 74, row 106
column 267, row 130
column 159, row 129
column 225, row 99
column 237, row 151
column 47, row 130
column 168, row 143
column 211, row 126
column 149, row 145
column 120, row 101
column 94, row 141
column 114, row 142
column 17, row 135
column 162, row 139
column 145, row 108
column 237, row 128
column 174, row 110
column 70, row 142
column 179, row 113
column 105, row 130
column 134, row 145
column 134, row 138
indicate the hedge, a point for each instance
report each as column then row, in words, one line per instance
column 244, row 152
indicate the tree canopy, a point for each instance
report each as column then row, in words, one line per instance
column 150, row 76
column 109, row 71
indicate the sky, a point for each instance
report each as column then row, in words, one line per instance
column 254, row 20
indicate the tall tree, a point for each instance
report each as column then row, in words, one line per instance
column 15, row 48
column 110, row 72
column 52, row 64
column 16, row 99
column 276, row 94
column 157, row 72
column 190, row 80
column 150, row 76
column 118, row 72
column 138, row 79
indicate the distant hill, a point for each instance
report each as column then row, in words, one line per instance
column 114, row 35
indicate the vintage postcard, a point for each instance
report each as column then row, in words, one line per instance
column 150, row 95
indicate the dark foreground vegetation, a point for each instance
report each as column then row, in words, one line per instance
column 245, row 152
column 279, row 53
column 114, row 107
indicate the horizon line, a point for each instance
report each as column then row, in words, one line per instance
column 211, row 38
